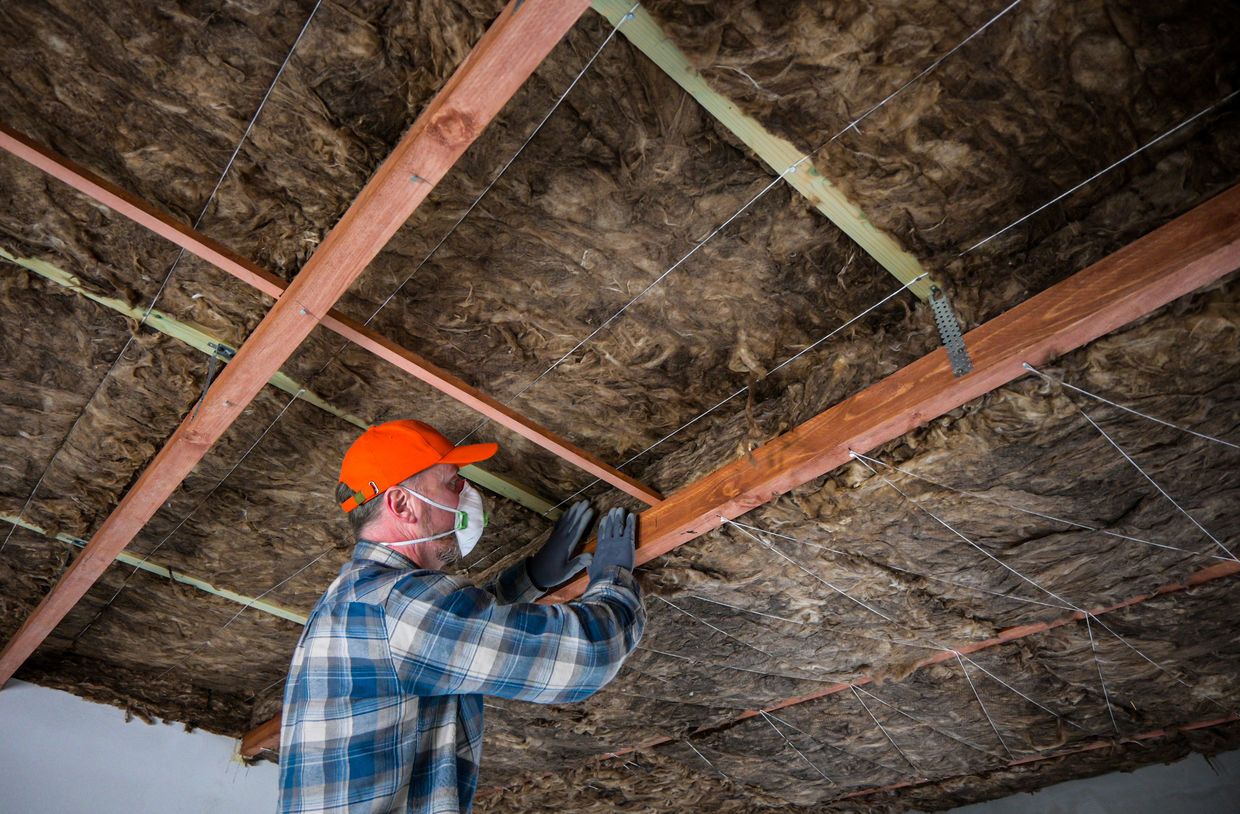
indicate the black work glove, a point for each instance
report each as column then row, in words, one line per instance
column 552, row 564
column 617, row 540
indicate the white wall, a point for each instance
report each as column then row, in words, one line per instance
column 1190, row 786
column 59, row 753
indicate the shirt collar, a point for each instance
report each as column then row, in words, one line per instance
column 384, row 555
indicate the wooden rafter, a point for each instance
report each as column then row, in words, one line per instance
column 223, row 258
column 514, row 45
column 200, row 340
column 1194, row 250
column 779, row 154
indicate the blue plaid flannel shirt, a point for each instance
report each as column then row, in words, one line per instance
column 383, row 705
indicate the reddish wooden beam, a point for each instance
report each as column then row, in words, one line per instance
column 1187, row 253
column 499, row 64
column 262, row 738
column 223, row 258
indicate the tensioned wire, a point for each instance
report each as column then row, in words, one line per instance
column 503, row 169
column 790, row 170
column 1103, row 171
column 807, row 349
column 1033, row 513
column 1132, row 461
column 741, row 391
column 167, row 275
column 1103, row 399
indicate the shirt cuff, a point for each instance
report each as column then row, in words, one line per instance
column 514, row 585
column 615, row 579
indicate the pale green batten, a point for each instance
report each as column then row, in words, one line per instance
column 168, row 573
column 202, row 341
column 779, row 154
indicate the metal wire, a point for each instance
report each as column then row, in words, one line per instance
column 718, row 630
column 746, row 388
column 178, row 526
column 1064, row 604
column 1155, row 483
column 985, row 711
column 788, row 741
column 829, row 745
column 1103, row 171
column 769, row 546
column 926, row 724
column 1016, row 691
column 1093, row 647
column 1127, row 409
column 706, row 761
column 554, row 107
column 1031, row 512
column 207, row 642
column 751, row 670
column 883, row 729
column 919, row 575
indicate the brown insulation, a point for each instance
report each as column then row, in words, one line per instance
column 654, row 782
column 621, row 182
column 1048, row 95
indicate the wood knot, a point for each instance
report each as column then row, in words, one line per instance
column 452, row 127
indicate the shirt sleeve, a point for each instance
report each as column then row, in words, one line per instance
column 513, row 585
column 467, row 642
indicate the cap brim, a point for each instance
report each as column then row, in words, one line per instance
column 471, row 454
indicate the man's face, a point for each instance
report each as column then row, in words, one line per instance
column 441, row 483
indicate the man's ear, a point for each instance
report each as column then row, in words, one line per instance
column 401, row 505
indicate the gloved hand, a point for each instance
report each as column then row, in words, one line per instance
column 617, row 539
column 551, row 565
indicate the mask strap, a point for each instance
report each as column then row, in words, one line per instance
column 462, row 517
column 425, row 499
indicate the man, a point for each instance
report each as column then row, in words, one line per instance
column 383, row 705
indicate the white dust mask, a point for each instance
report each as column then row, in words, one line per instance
column 471, row 519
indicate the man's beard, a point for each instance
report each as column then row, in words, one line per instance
column 450, row 554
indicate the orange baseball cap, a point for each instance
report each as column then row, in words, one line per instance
column 387, row 454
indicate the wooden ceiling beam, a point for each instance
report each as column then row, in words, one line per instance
column 1191, row 251
column 223, row 258
column 514, row 45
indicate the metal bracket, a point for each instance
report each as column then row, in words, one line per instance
column 219, row 352
column 949, row 332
